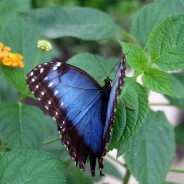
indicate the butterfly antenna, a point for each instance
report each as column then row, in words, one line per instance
column 100, row 65
column 114, row 67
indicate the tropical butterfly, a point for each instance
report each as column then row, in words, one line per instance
column 83, row 110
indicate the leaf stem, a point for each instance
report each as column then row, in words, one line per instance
column 127, row 177
column 38, row 58
column 124, row 32
column 177, row 171
column 51, row 141
column 115, row 160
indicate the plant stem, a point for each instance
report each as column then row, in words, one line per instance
column 38, row 58
column 160, row 104
column 177, row 171
column 117, row 161
column 127, row 177
column 51, row 141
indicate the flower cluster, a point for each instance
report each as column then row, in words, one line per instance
column 44, row 45
column 8, row 58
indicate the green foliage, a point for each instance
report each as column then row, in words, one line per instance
column 149, row 154
column 30, row 166
column 136, row 58
column 157, row 81
column 83, row 23
column 145, row 138
column 21, row 125
column 166, row 43
column 131, row 113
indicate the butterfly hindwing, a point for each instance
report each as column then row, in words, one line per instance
column 73, row 99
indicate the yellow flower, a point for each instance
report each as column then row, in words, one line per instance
column 44, row 45
column 10, row 59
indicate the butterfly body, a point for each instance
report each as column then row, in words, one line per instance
column 80, row 107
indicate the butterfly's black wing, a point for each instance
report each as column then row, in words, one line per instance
column 73, row 98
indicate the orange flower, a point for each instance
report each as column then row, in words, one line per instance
column 10, row 59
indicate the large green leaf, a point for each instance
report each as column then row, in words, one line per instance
column 174, row 6
column 131, row 113
column 9, row 8
column 30, row 167
column 84, row 23
column 146, row 19
column 16, row 78
column 166, row 44
column 22, row 38
column 76, row 176
column 150, row 152
column 89, row 63
column 135, row 56
column 11, row 96
column 21, row 126
column 158, row 81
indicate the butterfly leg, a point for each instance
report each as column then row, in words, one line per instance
column 92, row 164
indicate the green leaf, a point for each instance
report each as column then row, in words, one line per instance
column 179, row 133
column 135, row 56
column 150, row 152
column 89, row 63
column 11, row 96
column 21, row 125
column 16, row 78
column 30, row 166
column 22, row 38
column 146, row 19
column 174, row 6
column 166, row 44
column 157, row 81
column 77, row 176
column 177, row 82
column 131, row 113
column 9, row 9
column 83, row 23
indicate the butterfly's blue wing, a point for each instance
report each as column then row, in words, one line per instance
column 111, row 108
column 73, row 99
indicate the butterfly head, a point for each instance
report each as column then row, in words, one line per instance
column 108, row 82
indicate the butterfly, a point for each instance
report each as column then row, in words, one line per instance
column 83, row 110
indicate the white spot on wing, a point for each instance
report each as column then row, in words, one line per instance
column 32, row 79
column 58, row 64
column 31, row 74
column 56, row 92
column 45, row 78
column 50, row 84
column 42, row 93
column 41, row 70
column 55, row 68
